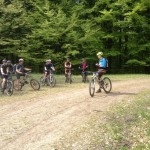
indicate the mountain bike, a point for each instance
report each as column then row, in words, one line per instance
column 26, row 80
column 84, row 76
column 8, row 86
column 104, row 83
column 49, row 80
column 68, row 77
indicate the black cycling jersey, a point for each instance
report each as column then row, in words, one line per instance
column 4, row 68
column 48, row 67
column 10, row 67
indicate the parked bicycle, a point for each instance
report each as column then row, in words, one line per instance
column 104, row 83
column 26, row 80
column 8, row 86
column 68, row 77
column 84, row 76
column 49, row 80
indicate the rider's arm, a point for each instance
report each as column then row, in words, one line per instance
column 17, row 70
column 80, row 67
column 52, row 67
column 87, row 66
column 2, row 70
column 65, row 65
column 70, row 65
column 45, row 68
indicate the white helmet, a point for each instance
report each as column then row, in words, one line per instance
column 20, row 60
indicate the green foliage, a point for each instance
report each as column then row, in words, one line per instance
column 135, row 62
column 37, row 30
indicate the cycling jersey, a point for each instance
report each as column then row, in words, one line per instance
column 103, row 63
column 48, row 67
column 83, row 66
column 67, row 65
column 4, row 69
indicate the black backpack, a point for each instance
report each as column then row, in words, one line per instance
column 14, row 68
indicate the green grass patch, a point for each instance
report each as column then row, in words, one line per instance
column 124, row 127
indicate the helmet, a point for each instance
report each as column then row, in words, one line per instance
column 100, row 53
column 83, row 59
column 8, row 61
column 48, row 60
column 4, row 60
column 21, row 60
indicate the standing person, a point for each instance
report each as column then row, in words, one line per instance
column 19, row 70
column 10, row 66
column 83, row 67
column 102, row 67
column 48, row 68
column 67, row 66
column 4, row 72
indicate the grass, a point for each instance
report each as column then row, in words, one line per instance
column 29, row 93
column 124, row 127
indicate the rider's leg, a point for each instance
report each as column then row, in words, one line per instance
column 18, row 78
column 45, row 75
column 3, row 84
column 66, row 75
column 100, row 74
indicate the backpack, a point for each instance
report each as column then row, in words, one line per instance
column 106, row 63
column 14, row 68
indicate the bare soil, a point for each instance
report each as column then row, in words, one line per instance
column 35, row 123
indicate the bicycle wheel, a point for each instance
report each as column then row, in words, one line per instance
column 52, row 82
column 106, row 84
column 9, row 88
column 17, row 86
column 35, row 84
column 42, row 81
column 92, row 87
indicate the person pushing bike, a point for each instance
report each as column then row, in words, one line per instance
column 102, row 67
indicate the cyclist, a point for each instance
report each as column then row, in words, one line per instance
column 48, row 68
column 10, row 66
column 20, row 70
column 4, row 72
column 83, row 66
column 67, row 67
column 102, row 67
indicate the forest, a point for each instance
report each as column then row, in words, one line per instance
column 37, row 30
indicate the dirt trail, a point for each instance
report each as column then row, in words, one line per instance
column 35, row 124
